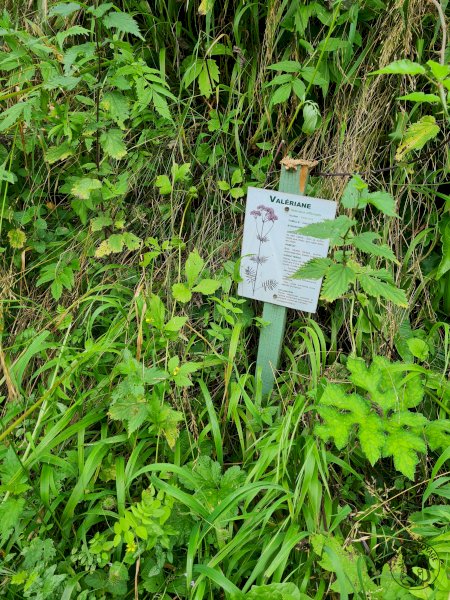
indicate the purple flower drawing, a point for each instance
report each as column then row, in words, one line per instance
column 265, row 218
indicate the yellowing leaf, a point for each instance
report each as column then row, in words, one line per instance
column 83, row 187
column 17, row 238
column 205, row 7
column 417, row 135
column 112, row 143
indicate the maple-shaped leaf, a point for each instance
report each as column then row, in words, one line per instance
column 404, row 447
column 164, row 420
column 438, row 434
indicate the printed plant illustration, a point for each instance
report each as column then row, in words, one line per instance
column 265, row 218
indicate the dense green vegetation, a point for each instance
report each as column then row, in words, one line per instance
column 139, row 457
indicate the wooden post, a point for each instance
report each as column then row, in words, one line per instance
column 294, row 176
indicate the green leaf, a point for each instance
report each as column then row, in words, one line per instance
column 299, row 88
column 156, row 312
column 281, row 94
column 123, row 22
column 175, row 324
column 444, row 265
column 116, row 104
column 164, row 184
column 355, row 193
column 420, row 97
column 401, row 67
column 207, row 286
column 288, row 66
column 133, row 412
column 83, row 187
column 112, row 143
column 6, row 175
column 10, row 116
column 193, row 267
column 100, row 222
column 208, row 78
column 332, row 44
column 311, row 115
column 131, row 241
column 438, row 70
column 330, row 229
column 223, row 186
column 315, row 268
column 60, row 152
column 383, row 201
column 181, row 292
column 438, row 434
column 116, row 242
column 417, row 135
column 379, row 289
column 365, row 243
column 161, row 106
column 418, row 348
column 64, row 9
column 337, row 282
column 404, row 447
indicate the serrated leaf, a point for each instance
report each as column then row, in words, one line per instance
column 131, row 241
column 438, row 434
column 11, row 115
column 315, row 268
column 355, row 193
column 420, row 97
column 418, row 348
column 98, row 223
column 123, row 22
column 193, row 267
column 401, row 67
column 181, row 292
column 117, row 105
column 404, row 447
column 82, row 188
column 379, row 289
column 64, row 9
column 112, row 143
column 133, row 412
column 337, row 282
column 17, row 238
column 383, row 201
column 365, row 243
column 330, row 229
column 116, row 242
column 175, row 324
column 161, row 106
column 417, row 135
column 60, row 152
column 207, row 286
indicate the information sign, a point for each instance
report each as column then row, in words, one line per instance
column 272, row 251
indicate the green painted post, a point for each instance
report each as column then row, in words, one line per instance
column 294, row 176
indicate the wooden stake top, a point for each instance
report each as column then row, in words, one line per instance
column 292, row 163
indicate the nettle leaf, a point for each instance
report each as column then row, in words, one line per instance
column 64, row 9
column 383, row 201
column 83, row 187
column 61, row 152
column 417, row 135
column 117, row 105
column 315, row 268
column 355, row 193
column 401, row 67
column 373, row 286
column 330, row 229
column 112, row 143
column 337, row 281
column 181, row 292
column 123, row 22
column 365, row 243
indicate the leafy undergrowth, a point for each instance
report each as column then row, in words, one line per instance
column 139, row 457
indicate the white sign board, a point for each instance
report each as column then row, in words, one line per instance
column 272, row 252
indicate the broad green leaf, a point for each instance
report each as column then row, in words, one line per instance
column 112, row 143
column 365, row 243
column 418, row 348
column 379, row 289
column 280, row 80
column 383, row 201
column 332, row 44
column 10, row 116
column 61, row 36
column 330, row 229
column 299, row 88
column 175, row 324
column 193, row 267
column 355, row 193
column 207, row 286
column 164, row 184
column 438, row 434
column 438, row 70
column 82, row 188
column 311, row 116
column 116, row 242
column 181, row 292
column 236, row 177
column 315, row 268
column 123, row 22
column 401, row 67
column 134, row 412
column 116, row 104
column 6, row 175
column 181, row 172
column 98, row 223
column 273, row 591
column 337, row 282
column 417, row 135
column 288, row 66
column 404, row 447
column 131, row 241
column 63, row 9
column 313, row 76
column 281, row 94
column 60, row 152
column 156, row 312
column 420, row 97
